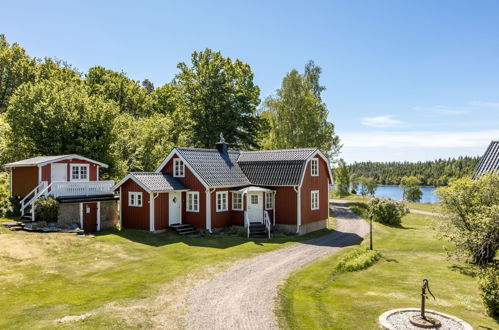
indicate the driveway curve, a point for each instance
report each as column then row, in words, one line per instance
column 244, row 296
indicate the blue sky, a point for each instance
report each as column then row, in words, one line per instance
column 406, row 80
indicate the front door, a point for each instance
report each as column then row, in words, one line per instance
column 90, row 217
column 255, row 207
column 59, row 172
column 175, row 208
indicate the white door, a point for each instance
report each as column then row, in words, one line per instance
column 59, row 172
column 175, row 208
column 255, row 207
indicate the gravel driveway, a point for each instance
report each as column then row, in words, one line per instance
column 244, row 296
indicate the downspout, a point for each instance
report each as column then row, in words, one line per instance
column 273, row 213
column 297, row 189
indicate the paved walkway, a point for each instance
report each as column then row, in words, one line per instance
column 244, row 296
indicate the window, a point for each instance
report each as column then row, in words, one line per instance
column 193, row 201
column 315, row 200
column 254, row 199
column 314, row 165
column 79, row 172
column 237, row 201
column 269, row 201
column 135, row 199
column 221, row 201
column 178, row 168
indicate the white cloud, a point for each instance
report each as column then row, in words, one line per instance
column 484, row 104
column 419, row 139
column 442, row 109
column 381, row 121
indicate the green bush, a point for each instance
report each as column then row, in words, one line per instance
column 357, row 259
column 387, row 211
column 47, row 209
column 489, row 287
column 5, row 203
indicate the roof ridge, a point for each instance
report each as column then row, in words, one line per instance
column 278, row 150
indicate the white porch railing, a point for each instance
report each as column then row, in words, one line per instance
column 247, row 223
column 67, row 189
column 30, row 198
column 267, row 222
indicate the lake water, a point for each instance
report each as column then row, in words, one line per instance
column 396, row 193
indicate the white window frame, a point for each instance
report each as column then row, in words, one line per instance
column 79, row 166
column 267, row 199
column 179, row 165
column 191, row 206
column 316, row 193
column 233, row 201
column 220, row 206
column 314, row 171
column 133, row 199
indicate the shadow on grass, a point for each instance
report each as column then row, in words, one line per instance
column 209, row 241
column 466, row 269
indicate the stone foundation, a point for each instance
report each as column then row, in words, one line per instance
column 69, row 214
column 304, row 229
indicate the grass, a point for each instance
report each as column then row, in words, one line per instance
column 429, row 207
column 124, row 279
column 318, row 297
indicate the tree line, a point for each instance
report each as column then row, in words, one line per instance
column 429, row 173
column 48, row 107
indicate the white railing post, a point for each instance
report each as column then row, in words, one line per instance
column 267, row 222
column 247, row 223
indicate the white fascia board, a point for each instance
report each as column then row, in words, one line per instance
column 74, row 156
column 125, row 179
column 321, row 155
column 170, row 156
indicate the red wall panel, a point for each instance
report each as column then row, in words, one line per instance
column 285, row 206
column 161, row 211
column 131, row 216
column 321, row 183
column 24, row 180
column 92, row 168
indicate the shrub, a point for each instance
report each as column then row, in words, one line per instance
column 489, row 287
column 47, row 209
column 357, row 259
column 387, row 211
column 5, row 203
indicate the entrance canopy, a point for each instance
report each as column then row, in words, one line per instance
column 249, row 189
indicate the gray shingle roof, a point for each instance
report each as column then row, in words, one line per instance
column 215, row 168
column 275, row 167
column 158, row 182
column 49, row 159
column 489, row 161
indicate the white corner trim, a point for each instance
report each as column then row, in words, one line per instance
column 81, row 215
column 39, row 174
column 208, row 208
column 121, row 210
column 98, row 216
column 298, row 208
column 151, row 212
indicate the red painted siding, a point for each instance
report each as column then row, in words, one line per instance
column 161, row 212
column 92, row 168
column 134, row 217
column 197, row 219
column 223, row 218
column 24, row 180
column 90, row 217
column 321, row 183
column 285, row 206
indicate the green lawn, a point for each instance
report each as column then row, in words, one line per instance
column 316, row 297
column 124, row 279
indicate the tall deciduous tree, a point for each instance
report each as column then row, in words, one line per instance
column 16, row 68
column 297, row 115
column 342, row 179
column 130, row 97
column 53, row 117
column 217, row 95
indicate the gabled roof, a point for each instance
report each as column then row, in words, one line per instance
column 153, row 182
column 44, row 160
column 214, row 168
column 489, row 161
column 275, row 167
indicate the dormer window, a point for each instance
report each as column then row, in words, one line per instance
column 178, row 168
column 314, row 167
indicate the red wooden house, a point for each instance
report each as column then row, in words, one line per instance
column 73, row 180
column 215, row 188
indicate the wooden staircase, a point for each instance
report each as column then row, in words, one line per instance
column 258, row 230
column 186, row 230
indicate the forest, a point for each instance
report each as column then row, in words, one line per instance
column 49, row 107
column 430, row 173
